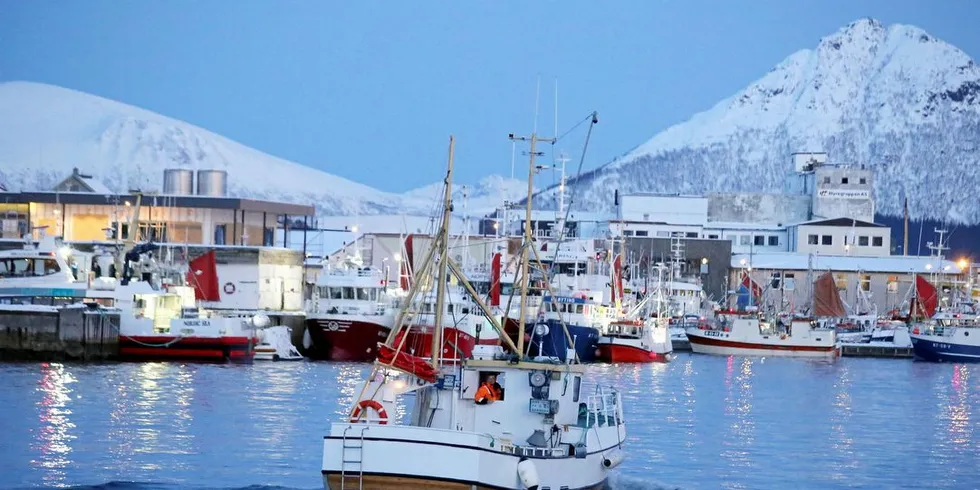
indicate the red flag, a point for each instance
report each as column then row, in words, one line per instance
column 751, row 286
column 925, row 300
column 618, row 285
column 495, row 281
column 203, row 276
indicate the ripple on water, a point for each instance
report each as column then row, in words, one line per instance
column 696, row 422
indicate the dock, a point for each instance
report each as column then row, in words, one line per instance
column 870, row 350
column 58, row 333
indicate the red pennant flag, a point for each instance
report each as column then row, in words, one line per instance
column 203, row 276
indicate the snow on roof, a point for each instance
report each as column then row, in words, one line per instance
column 844, row 222
column 96, row 185
column 843, row 263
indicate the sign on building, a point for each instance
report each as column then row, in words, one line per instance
column 843, row 194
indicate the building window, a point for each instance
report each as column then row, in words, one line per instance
column 843, row 180
column 663, row 234
column 893, row 284
column 862, row 241
column 789, row 281
column 826, row 180
column 759, row 240
column 642, row 233
column 863, row 181
column 865, row 282
column 841, row 280
column 745, row 240
column 627, row 232
column 712, row 237
column 692, row 234
column 219, row 234
column 773, row 241
column 776, row 279
column 877, row 241
column 811, row 239
column 827, row 240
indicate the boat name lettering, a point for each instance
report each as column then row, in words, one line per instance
column 197, row 323
column 715, row 333
column 843, row 194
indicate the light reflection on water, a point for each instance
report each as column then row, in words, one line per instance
column 696, row 422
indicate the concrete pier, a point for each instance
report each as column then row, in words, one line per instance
column 58, row 333
column 871, row 350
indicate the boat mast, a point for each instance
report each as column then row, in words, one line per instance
column 526, row 250
column 442, row 242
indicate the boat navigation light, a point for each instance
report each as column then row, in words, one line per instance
column 962, row 263
column 398, row 257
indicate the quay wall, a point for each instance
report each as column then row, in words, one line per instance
column 58, row 334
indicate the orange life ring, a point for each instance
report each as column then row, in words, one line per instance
column 355, row 416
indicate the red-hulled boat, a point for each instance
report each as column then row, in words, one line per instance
column 635, row 341
column 352, row 309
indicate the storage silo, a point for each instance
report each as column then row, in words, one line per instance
column 212, row 183
column 178, row 182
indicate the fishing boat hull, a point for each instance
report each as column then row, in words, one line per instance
column 937, row 348
column 407, row 457
column 554, row 343
column 703, row 343
column 347, row 338
column 237, row 349
column 456, row 344
column 616, row 352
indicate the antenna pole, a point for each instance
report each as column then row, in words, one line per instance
column 526, row 250
column 442, row 242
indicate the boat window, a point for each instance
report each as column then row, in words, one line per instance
column 348, row 293
column 576, row 388
column 579, row 309
column 363, row 294
column 28, row 267
column 449, row 307
column 466, row 311
column 375, row 294
column 336, row 293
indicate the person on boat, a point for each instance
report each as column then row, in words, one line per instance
column 489, row 391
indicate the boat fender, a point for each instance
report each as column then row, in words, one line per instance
column 612, row 459
column 528, row 474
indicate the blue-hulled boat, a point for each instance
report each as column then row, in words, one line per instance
column 583, row 319
column 948, row 338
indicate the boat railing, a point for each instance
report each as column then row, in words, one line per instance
column 602, row 408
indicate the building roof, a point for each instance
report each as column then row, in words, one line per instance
column 86, row 182
column 842, row 263
column 726, row 225
column 842, row 222
column 271, row 207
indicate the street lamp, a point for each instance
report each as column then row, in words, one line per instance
column 962, row 264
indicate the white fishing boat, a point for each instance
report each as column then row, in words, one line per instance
column 744, row 334
column 537, row 425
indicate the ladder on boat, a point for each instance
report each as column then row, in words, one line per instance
column 351, row 456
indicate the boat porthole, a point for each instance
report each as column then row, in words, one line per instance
column 966, row 334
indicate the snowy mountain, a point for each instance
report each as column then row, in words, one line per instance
column 894, row 98
column 45, row 131
column 483, row 198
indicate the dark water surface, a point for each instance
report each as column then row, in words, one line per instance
column 697, row 422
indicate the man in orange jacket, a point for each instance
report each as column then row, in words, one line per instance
column 489, row 391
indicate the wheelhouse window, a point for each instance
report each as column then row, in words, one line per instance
column 773, row 240
column 28, row 267
column 759, row 240
column 811, row 239
column 789, row 281
column 877, row 241
column 862, row 241
column 336, row 293
column 827, row 240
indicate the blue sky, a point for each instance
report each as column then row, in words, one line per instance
column 371, row 90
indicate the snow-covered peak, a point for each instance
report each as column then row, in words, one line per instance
column 45, row 131
column 893, row 97
column 487, row 194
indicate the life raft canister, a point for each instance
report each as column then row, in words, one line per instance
column 355, row 416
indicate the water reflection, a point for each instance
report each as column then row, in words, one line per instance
column 53, row 435
column 959, row 431
column 841, row 442
column 740, row 434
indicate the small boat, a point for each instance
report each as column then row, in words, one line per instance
column 496, row 420
column 949, row 337
column 744, row 334
column 275, row 344
column 635, row 341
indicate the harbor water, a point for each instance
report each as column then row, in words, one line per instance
column 697, row 422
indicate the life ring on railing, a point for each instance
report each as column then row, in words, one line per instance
column 229, row 288
column 355, row 416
